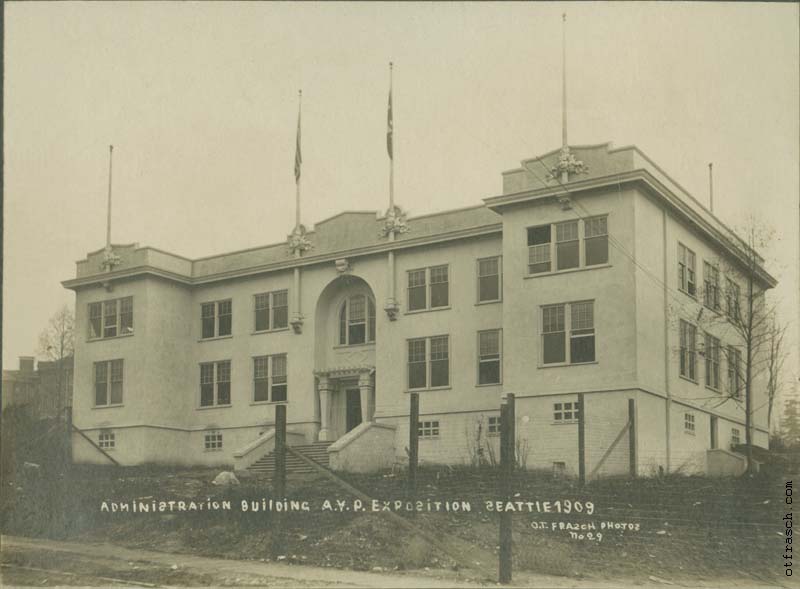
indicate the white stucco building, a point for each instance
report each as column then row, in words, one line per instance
column 587, row 280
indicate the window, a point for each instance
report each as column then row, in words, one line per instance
column 571, row 237
column 271, row 310
column 711, row 286
column 686, row 271
column 213, row 441
column 688, row 423
column 578, row 323
column 688, row 335
column 429, row 362
column 433, row 296
column 428, row 429
column 734, row 372
column 106, row 440
column 566, row 412
column 357, row 320
column 215, row 383
column 732, row 293
column 111, row 318
column 216, row 318
column 489, row 280
column 489, row 357
column 567, row 246
column 494, row 426
column 108, row 383
column 269, row 378
column 712, row 361
column 736, row 437
column 539, row 249
column 595, row 241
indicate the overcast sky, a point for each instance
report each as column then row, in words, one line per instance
column 200, row 100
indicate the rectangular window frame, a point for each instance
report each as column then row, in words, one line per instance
column 429, row 287
column 566, row 412
column 215, row 381
column 733, row 295
column 493, row 425
column 711, row 286
column 687, row 364
column 711, row 353
column 216, row 318
column 212, row 441
column 106, row 440
column 429, row 360
column 499, row 279
column 736, row 436
column 689, row 424
column 490, row 358
column 109, row 370
column 589, row 229
column 428, row 429
column 271, row 308
column 121, row 319
column 270, row 378
column 734, row 360
column 569, row 332
column 687, row 270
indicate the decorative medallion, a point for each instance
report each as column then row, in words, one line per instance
column 297, row 241
column 392, row 309
column 110, row 259
column 567, row 163
column 395, row 222
column 297, row 323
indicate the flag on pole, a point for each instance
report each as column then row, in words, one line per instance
column 298, row 156
column 389, row 127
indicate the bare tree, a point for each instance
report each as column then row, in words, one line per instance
column 775, row 360
column 57, row 343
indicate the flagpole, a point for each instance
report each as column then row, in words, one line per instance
column 564, row 80
column 298, row 159
column 391, row 154
column 108, row 219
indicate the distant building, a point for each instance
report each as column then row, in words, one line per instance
column 45, row 390
column 576, row 279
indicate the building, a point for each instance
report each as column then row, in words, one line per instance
column 44, row 390
column 586, row 275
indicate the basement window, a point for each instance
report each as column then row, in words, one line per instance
column 213, row 441
column 428, row 429
column 688, row 423
column 106, row 440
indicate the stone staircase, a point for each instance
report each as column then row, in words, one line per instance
column 294, row 465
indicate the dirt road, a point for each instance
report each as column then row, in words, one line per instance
column 28, row 561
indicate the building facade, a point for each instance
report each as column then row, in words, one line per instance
column 44, row 389
column 585, row 279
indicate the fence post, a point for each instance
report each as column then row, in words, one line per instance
column 581, row 440
column 413, row 445
column 632, row 436
column 507, row 463
column 279, row 481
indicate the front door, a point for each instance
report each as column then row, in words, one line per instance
column 353, row 408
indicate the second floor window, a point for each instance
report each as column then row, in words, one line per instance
column 108, row 377
column 215, row 383
column 489, row 279
column 734, row 372
column 688, row 336
column 429, row 362
column 711, row 286
column 272, row 310
column 269, row 378
column 687, row 281
column 732, row 294
column 712, row 361
column 489, row 357
column 357, row 321
column 111, row 318
column 217, row 318
column 428, row 288
column 575, row 320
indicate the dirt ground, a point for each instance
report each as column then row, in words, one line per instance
column 690, row 529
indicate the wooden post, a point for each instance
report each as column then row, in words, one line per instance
column 581, row 440
column 505, row 487
column 413, row 445
column 632, row 436
column 279, row 481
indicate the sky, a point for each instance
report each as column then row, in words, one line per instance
column 200, row 102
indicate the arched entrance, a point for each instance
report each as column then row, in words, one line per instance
column 344, row 355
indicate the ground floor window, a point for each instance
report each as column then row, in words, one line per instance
column 108, row 383
column 566, row 412
column 107, row 440
column 269, row 378
column 213, row 441
column 215, row 383
column 428, row 429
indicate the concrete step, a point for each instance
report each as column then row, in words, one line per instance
column 317, row 451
